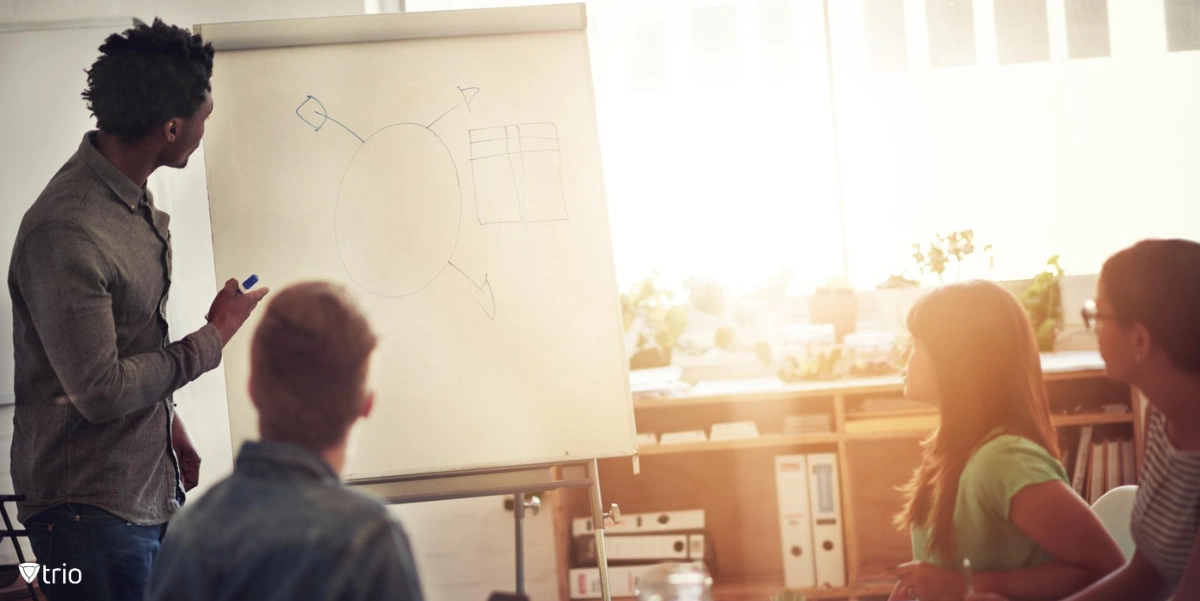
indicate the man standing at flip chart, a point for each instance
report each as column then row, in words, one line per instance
column 97, row 451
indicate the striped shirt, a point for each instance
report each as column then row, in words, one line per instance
column 1166, row 515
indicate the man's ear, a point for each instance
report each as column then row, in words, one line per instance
column 172, row 129
column 368, row 405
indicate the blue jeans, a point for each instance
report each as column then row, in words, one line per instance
column 98, row 556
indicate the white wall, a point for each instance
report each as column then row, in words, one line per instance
column 464, row 548
column 183, row 194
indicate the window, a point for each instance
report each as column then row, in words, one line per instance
column 1076, row 158
column 716, row 136
column 736, row 183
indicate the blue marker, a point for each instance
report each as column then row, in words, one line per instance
column 247, row 285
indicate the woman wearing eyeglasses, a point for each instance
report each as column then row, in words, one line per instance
column 990, row 487
column 1147, row 322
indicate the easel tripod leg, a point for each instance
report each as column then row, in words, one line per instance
column 598, row 517
column 518, row 516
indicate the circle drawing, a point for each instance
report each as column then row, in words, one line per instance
column 398, row 211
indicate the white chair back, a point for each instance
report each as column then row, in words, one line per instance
column 1115, row 510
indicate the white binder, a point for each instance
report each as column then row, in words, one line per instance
column 623, row 581
column 643, row 523
column 795, row 523
column 637, row 547
column 828, row 548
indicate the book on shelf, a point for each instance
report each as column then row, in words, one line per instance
column 1112, row 464
column 1079, row 480
column 1096, row 472
column 1102, row 465
column 1128, row 463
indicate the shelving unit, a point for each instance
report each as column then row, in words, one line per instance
column 800, row 440
column 734, row 481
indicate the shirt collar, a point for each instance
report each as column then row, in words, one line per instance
column 285, row 457
column 130, row 193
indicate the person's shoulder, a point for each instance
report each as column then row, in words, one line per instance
column 1007, row 452
column 1009, row 443
column 344, row 506
column 360, row 502
column 1157, row 422
column 364, row 519
column 64, row 200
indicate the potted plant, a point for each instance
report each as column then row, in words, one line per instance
column 1042, row 300
column 953, row 250
column 932, row 263
column 654, row 322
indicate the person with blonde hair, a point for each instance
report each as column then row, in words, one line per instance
column 283, row 527
column 990, row 487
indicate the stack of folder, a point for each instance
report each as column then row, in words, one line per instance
column 639, row 542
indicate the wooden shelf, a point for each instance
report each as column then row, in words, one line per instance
column 1056, row 367
column 919, row 425
column 769, row 389
column 761, row 442
column 861, row 429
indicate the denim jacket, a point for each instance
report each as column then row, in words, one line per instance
column 283, row 527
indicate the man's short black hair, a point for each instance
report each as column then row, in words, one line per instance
column 147, row 76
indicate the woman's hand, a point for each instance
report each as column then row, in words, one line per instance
column 927, row 582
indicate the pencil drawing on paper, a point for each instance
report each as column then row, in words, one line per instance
column 517, row 174
column 400, row 198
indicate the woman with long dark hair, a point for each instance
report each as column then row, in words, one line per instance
column 990, row 487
